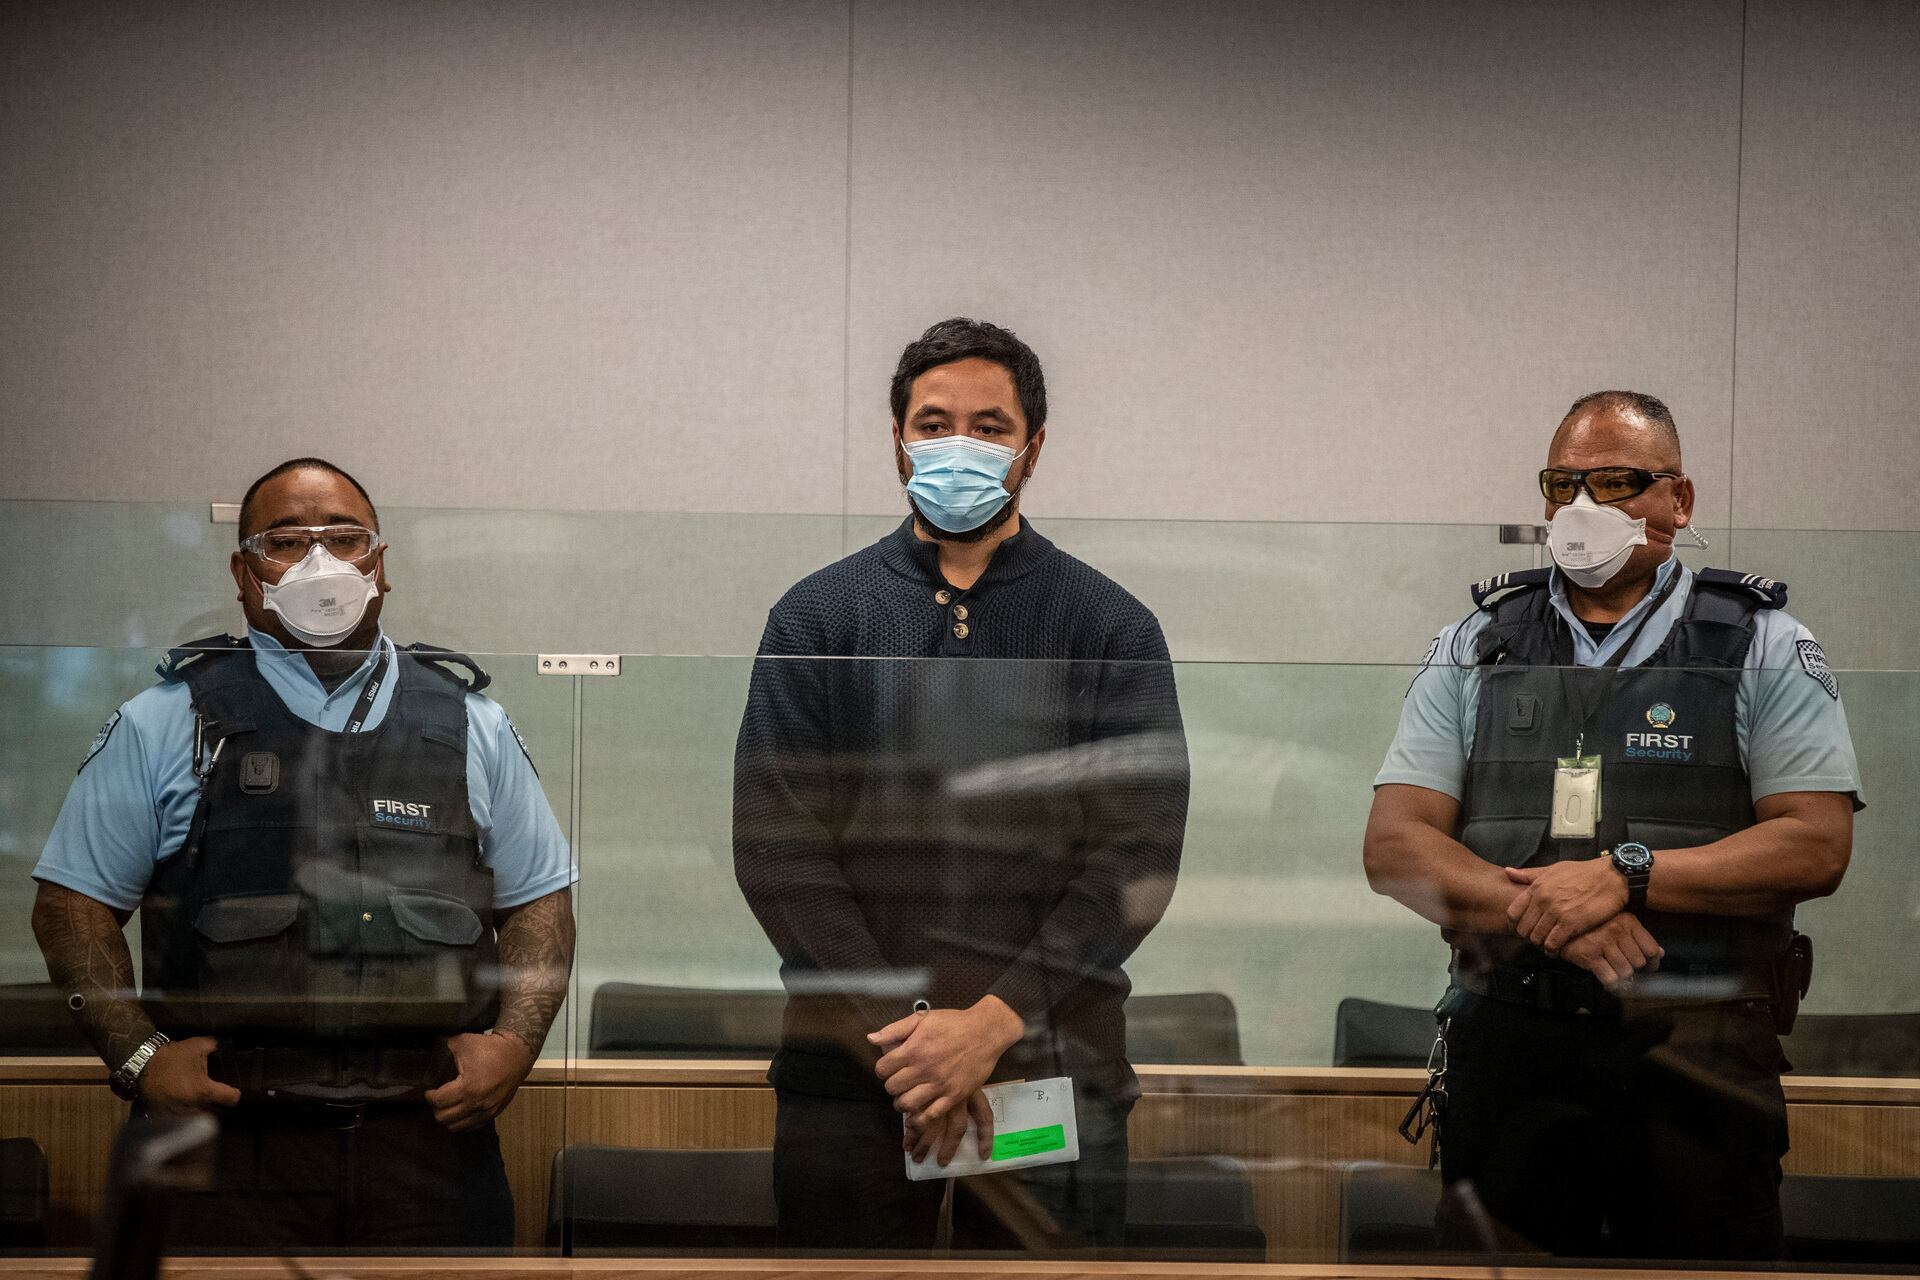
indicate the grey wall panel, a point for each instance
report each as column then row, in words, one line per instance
column 1302, row 261
column 1830, row 268
column 533, row 254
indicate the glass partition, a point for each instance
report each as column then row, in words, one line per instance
column 1223, row 590
column 1276, row 1010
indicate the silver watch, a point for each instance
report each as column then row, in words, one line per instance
column 125, row 1080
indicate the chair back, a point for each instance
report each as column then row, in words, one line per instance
column 635, row 1020
column 639, row 1199
column 1195, row 1028
column 1369, row 1033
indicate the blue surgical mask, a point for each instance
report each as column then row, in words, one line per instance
column 959, row 482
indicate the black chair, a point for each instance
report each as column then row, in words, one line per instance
column 637, row 1199
column 1198, row 1028
column 636, row 1020
column 1387, row 1211
column 633, row 1020
column 1855, row 1044
column 1193, row 1206
column 1368, row 1033
column 1848, row 1219
column 35, row 1020
column 23, row 1194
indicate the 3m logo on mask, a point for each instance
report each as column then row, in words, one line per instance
column 1676, row 748
column 403, row 813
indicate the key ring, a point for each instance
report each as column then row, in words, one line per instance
column 1439, row 1051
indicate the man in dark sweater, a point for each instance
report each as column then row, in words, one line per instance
column 953, row 858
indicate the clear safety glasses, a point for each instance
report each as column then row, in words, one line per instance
column 290, row 544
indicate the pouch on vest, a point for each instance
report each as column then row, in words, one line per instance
column 248, row 964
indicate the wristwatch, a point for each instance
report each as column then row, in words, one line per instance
column 125, row 1080
column 1634, row 861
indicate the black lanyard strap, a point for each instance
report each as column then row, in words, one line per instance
column 1574, row 685
column 363, row 705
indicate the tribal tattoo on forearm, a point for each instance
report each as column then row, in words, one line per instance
column 88, row 960
column 536, row 956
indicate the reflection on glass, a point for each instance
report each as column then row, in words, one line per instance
column 954, row 860
column 1273, row 951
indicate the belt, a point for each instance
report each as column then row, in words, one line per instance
column 1548, row 990
column 278, row 1111
column 347, row 1074
column 1570, row 991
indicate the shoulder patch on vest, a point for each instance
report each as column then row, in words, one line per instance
column 514, row 729
column 1433, row 650
column 1485, row 589
column 100, row 740
column 1813, row 660
column 172, row 668
column 1770, row 590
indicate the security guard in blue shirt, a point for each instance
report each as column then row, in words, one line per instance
column 354, row 900
column 1610, row 786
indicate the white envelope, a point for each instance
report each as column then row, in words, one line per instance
column 1033, row 1124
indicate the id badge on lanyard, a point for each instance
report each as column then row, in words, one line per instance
column 1576, row 798
column 1576, row 778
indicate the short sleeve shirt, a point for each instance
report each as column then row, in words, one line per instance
column 132, row 802
column 1789, row 720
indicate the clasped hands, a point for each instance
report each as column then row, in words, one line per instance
column 933, row 1064
column 1577, row 911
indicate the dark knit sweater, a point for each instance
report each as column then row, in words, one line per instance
column 906, row 828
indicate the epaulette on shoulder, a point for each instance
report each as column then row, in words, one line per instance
column 173, row 667
column 1771, row 591
column 440, row 661
column 1516, row 580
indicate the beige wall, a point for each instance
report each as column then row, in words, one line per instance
column 1303, row 261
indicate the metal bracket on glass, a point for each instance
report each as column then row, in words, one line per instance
column 223, row 513
column 1529, row 534
column 578, row 664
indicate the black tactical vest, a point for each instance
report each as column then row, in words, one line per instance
column 330, row 891
column 1671, row 773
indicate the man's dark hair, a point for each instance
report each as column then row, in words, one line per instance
column 1650, row 408
column 964, row 339
column 303, row 464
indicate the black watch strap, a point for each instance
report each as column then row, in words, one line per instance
column 1637, row 889
column 1634, row 860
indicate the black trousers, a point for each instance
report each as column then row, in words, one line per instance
column 1654, row 1133
column 385, row 1177
column 840, row 1183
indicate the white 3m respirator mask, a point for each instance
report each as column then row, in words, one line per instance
column 320, row 600
column 1590, row 542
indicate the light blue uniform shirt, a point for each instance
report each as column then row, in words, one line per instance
column 1788, row 718
column 132, row 803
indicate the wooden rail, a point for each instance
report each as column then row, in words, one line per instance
column 1295, row 1127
